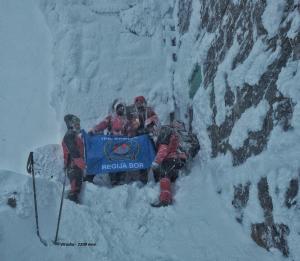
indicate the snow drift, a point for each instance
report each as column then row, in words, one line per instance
column 234, row 66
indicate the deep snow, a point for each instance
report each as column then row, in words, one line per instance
column 96, row 59
column 123, row 224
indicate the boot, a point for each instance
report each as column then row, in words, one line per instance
column 89, row 178
column 73, row 196
column 165, row 196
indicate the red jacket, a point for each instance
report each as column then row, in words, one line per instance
column 168, row 147
column 117, row 125
column 73, row 147
column 146, row 114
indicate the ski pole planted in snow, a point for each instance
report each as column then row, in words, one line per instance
column 30, row 170
column 61, row 203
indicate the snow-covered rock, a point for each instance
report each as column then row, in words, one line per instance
column 246, row 108
column 231, row 64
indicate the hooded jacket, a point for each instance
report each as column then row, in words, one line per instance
column 168, row 145
column 73, row 149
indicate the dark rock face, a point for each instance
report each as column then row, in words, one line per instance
column 268, row 234
column 291, row 193
column 242, row 24
column 271, row 235
column 245, row 17
column 184, row 15
column 240, row 200
column 265, row 199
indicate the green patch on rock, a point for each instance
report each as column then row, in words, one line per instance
column 195, row 81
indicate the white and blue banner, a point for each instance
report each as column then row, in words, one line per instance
column 105, row 153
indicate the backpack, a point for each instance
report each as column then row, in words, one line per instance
column 189, row 143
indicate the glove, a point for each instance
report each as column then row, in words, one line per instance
column 154, row 165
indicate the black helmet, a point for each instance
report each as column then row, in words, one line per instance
column 72, row 122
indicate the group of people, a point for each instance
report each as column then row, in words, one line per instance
column 130, row 121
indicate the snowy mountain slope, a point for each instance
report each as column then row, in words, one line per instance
column 239, row 74
column 122, row 224
column 99, row 55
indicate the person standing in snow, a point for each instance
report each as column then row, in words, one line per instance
column 169, row 159
column 73, row 150
column 117, row 124
column 145, row 114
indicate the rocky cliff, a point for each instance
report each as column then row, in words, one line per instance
column 246, row 99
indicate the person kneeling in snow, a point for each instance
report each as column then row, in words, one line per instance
column 73, row 150
column 169, row 159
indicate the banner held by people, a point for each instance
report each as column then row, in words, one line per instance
column 105, row 153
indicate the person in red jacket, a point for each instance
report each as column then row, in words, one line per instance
column 146, row 114
column 117, row 124
column 169, row 159
column 114, row 123
column 147, row 118
column 73, row 150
